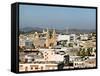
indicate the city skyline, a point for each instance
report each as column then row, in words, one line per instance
column 56, row 17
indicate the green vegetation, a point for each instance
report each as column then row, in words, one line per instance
column 21, row 49
column 83, row 52
column 70, row 44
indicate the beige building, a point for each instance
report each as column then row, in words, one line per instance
column 37, row 67
column 49, row 55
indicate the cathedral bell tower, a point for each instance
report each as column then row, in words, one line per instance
column 36, row 40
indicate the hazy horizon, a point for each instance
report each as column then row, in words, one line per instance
column 56, row 17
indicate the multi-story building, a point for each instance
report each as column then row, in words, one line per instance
column 37, row 67
column 63, row 37
column 84, row 36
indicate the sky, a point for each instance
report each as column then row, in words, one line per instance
column 56, row 17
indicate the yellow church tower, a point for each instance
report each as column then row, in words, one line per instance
column 47, row 38
column 36, row 40
column 50, row 41
column 54, row 37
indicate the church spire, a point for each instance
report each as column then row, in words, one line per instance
column 54, row 33
column 47, row 30
column 43, row 31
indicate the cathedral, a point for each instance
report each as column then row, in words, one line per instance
column 47, row 40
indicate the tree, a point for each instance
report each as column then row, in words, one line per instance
column 70, row 45
column 78, row 53
column 60, row 66
column 89, row 51
column 81, row 52
column 33, row 46
column 21, row 49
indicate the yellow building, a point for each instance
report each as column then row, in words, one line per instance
column 48, row 41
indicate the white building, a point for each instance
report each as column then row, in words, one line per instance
column 21, row 42
column 73, row 37
column 84, row 36
column 49, row 55
column 28, row 43
column 63, row 37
